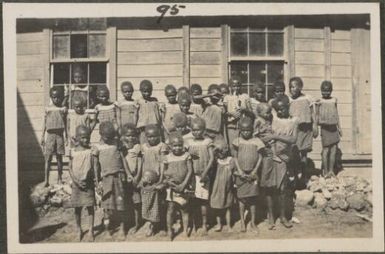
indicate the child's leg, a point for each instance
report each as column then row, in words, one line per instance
column 332, row 158
column 242, row 206
column 170, row 218
column 218, row 216
column 253, row 212
column 122, row 219
column 106, row 219
column 282, row 204
column 48, row 160
column 204, row 215
column 228, row 219
column 59, row 159
column 270, row 208
column 138, row 216
column 325, row 166
column 186, row 217
column 78, row 214
column 91, row 214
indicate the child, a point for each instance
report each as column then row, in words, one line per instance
column 153, row 153
column 114, row 173
column 169, row 109
column 81, row 169
column 106, row 111
column 149, row 113
column 197, row 101
column 301, row 107
column 258, row 97
column 284, row 136
column 224, row 89
column 330, row 127
column 184, row 102
column 130, row 140
column 213, row 115
column 177, row 171
column 76, row 117
column 127, row 107
column 248, row 159
column 279, row 91
column 55, row 125
column 222, row 197
column 201, row 150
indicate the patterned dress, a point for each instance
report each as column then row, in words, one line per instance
column 169, row 111
column 148, row 113
column 76, row 120
column 132, row 157
column 152, row 156
column 106, row 113
column 213, row 116
column 55, row 124
column 222, row 195
column 196, row 108
column 249, row 152
column 128, row 111
column 328, row 120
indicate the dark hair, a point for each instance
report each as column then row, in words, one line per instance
column 145, row 84
column 279, row 84
column 298, row 80
column 127, row 83
column 246, row 121
column 152, row 127
column 326, row 84
column 57, row 89
column 184, row 97
column 258, row 85
column 175, row 135
column 107, row 129
column 212, row 87
column 200, row 121
column 169, row 89
column 196, row 87
column 223, row 85
column 103, row 89
column 83, row 128
column 284, row 99
column 129, row 126
column 233, row 78
column 180, row 119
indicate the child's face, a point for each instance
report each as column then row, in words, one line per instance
column 130, row 137
column 181, row 128
column 259, row 94
column 246, row 131
column 282, row 110
column 127, row 92
column 83, row 138
column 295, row 88
column 184, row 106
column 56, row 98
column 215, row 99
column 326, row 92
column 197, row 131
column 153, row 137
column 224, row 90
column 177, row 146
column 78, row 107
column 222, row 153
column 171, row 97
column 103, row 96
column 265, row 113
column 146, row 92
column 279, row 91
column 78, row 77
column 236, row 86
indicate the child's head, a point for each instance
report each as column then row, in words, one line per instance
column 145, row 89
column 224, row 88
column 264, row 111
column 57, row 95
column 213, row 89
column 196, row 89
column 170, row 93
column 295, row 86
column 107, row 131
column 152, row 134
column 78, row 105
column 221, row 148
column 78, row 75
column 130, row 134
column 198, row 126
column 184, row 101
column 281, row 106
column 279, row 88
column 246, row 127
column 326, row 89
column 259, row 92
column 176, row 143
column 83, row 134
column 127, row 90
column 182, row 91
column 180, row 122
column 235, row 84
column 149, row 177
column 103, row 94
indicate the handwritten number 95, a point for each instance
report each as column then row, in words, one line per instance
column 163, row 9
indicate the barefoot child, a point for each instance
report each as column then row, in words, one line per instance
column 54, row 125
column 184, row 102
column 258, row 96
column 76, row 117
column 201, row 150
column 328, row 120
column 279, row 91
column 130, row 140
column 115, row 175
column 248, row 158
column 169, row 109
column 81, row 169
column 197, row 101
column 177, row 171
column 106, row 111
column 222, row 196
column 127, row 108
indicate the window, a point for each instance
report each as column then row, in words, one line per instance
column 257, row 55
column 78, row 59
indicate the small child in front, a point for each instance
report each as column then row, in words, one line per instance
column 201, row 150
column 127, row 107
column 54, row 125
column 81, row 169
column 248, row 158
column 177, row 170
column 76, row 117
column 222, row 195
column 114, row 174
column 328, row 120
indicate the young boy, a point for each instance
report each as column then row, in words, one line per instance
column 169, row 109
column 127, row 107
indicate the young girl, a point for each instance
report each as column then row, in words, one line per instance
column 76, row 117
column 177, row 171
column 213, row 115
column 149, row 113
column 127, row 107
column 169, row 109
column 106, row 111
column 201, row 150
column 302, row 107
column 196, row 105
column 184, row 102
column 153, row 153
column 330, row 127
column 81, row 169
column 279, row 91
column 114, row 173
column 222, row 196
column 224, row 89
column 55, row 125
column 130, row 140
column 248, row 159
column 258, row 97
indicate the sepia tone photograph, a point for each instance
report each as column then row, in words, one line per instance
column 181, row 127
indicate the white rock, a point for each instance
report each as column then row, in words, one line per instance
column 326, row 193
column 319, row 201
column 304, row 197
column 314, row 178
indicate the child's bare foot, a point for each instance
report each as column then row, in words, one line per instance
column 254, row 228
column 171, row 234
column 122, row 233
column 150, row 231
column 188, row 231
column 134, row 230
column 243, row 227
column 80, row 235
column 229, row 229
column 218, row 228
column 286, row 223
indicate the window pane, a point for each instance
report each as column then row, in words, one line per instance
column 275, row 44
column 98, row 73
column 61, row 73
column 275, row 71
column 79, row 73
column 258, row 72
column 257, row 44
column 60, row 48
column 78, row 45
column 97, row 45
column 239, row 69
column 239, row 44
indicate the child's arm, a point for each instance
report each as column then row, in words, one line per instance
column 209, row 164
column 139, row 171
column 255, row 169
column 338, row 122
column 95, row 121
column 96, row 166
column 42, row 142
column 119, row 115
column 126, row 168
column 68, row 125
column 183, row 185
column 314, row 116
column 65, row 129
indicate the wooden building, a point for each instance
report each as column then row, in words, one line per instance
column 204, row 50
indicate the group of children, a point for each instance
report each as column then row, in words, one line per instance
column 195, row 154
